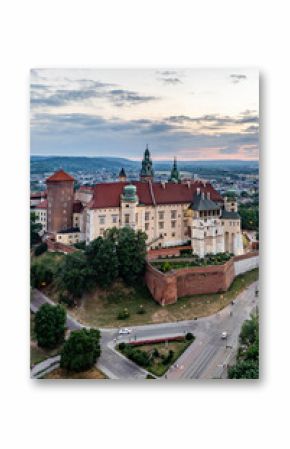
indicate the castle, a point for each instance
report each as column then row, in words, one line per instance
column 171, row 213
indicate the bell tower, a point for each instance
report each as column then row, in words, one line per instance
column 147, row 172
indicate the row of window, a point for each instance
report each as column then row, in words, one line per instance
column 161, row 215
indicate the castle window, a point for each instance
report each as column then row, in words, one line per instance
column 114, row 218
column 127, row 218
column 102, row 231
column 173, row 214
column 161, row 215
column 136, row 218
column 173, row 234
column 147, row 216
column 173, row 224
column 161, row 224
column 102, row 219
column 146, row 226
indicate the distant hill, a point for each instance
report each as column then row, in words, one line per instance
column 41, row 164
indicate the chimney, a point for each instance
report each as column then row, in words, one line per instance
column 202, row 195
column 163, row 184
column 208, row 195
column 188, row 184
column 198, row 191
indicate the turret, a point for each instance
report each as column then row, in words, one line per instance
column 175, row 175
column 146, row 172
column 122, row 175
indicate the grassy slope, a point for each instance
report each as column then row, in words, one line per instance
column 100, row 308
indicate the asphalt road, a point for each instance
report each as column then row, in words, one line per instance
column 205, row 358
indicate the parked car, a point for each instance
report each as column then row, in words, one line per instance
column 125, row 331
column 224, row 335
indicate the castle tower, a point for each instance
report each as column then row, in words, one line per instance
column 146, row 172
column 129, row 201
column 175, row 175
column 60, row 197
column 122, row 175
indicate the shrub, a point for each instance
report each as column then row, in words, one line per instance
column 40, row 249
column 155, row 352
column 50, row 325
column 64, row 298
column 139, row 357
column 123, row 314
column 80, row 245
column 149, row 376
column 81, row 350
column 141, row 310
column 168, row 358
column 165, row 267
column 189, row 336
column 122, row 346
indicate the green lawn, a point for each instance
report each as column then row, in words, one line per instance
column 158, row 364
column 100, row 308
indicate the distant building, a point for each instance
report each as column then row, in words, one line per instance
column 170, row 213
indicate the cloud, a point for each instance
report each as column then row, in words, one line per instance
column 237, row 78
column 121, row 97
column 77, row 133
column 169, row 76
column 216, row 121
column 43, row 95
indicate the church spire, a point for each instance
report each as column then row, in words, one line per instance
column 147, row 172
column 175, row 175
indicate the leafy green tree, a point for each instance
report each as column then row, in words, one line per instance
column 40, row 249
column 50, row 325
column 250, row 331
column 244, row 369
column 131, row 252
column 247, row 366
column 35, row 228
column 42, row 272
column 103, row 260
column 74, row 274
column 81, row 350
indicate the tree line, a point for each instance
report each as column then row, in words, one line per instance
column 120, row 253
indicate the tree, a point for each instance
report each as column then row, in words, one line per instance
column 40, row 249
column 250, row 331
column 244, row 369
column 103, row 260
column 35, row 229
column 42, row 272
column 247, row 366
column 81, row 350
column 74, row 274
column 131, row 252
column 50, row 325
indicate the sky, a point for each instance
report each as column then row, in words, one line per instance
column 193, row 114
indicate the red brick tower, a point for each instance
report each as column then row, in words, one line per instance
column 60, row 197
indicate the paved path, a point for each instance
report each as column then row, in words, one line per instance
column 205, row 358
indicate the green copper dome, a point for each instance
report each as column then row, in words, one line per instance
column 130, row 193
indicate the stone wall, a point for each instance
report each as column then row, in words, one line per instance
column 166, row 288
column 246, row 262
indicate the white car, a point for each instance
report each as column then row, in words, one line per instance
column 224, row 335
column 125, row 331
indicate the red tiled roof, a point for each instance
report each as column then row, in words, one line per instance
column 60, row 175
column 108, row 194
column 42, row 205
column 77, row 207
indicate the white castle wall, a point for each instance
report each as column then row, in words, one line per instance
column 241, row 266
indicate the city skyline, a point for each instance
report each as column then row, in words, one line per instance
column 193, row 114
